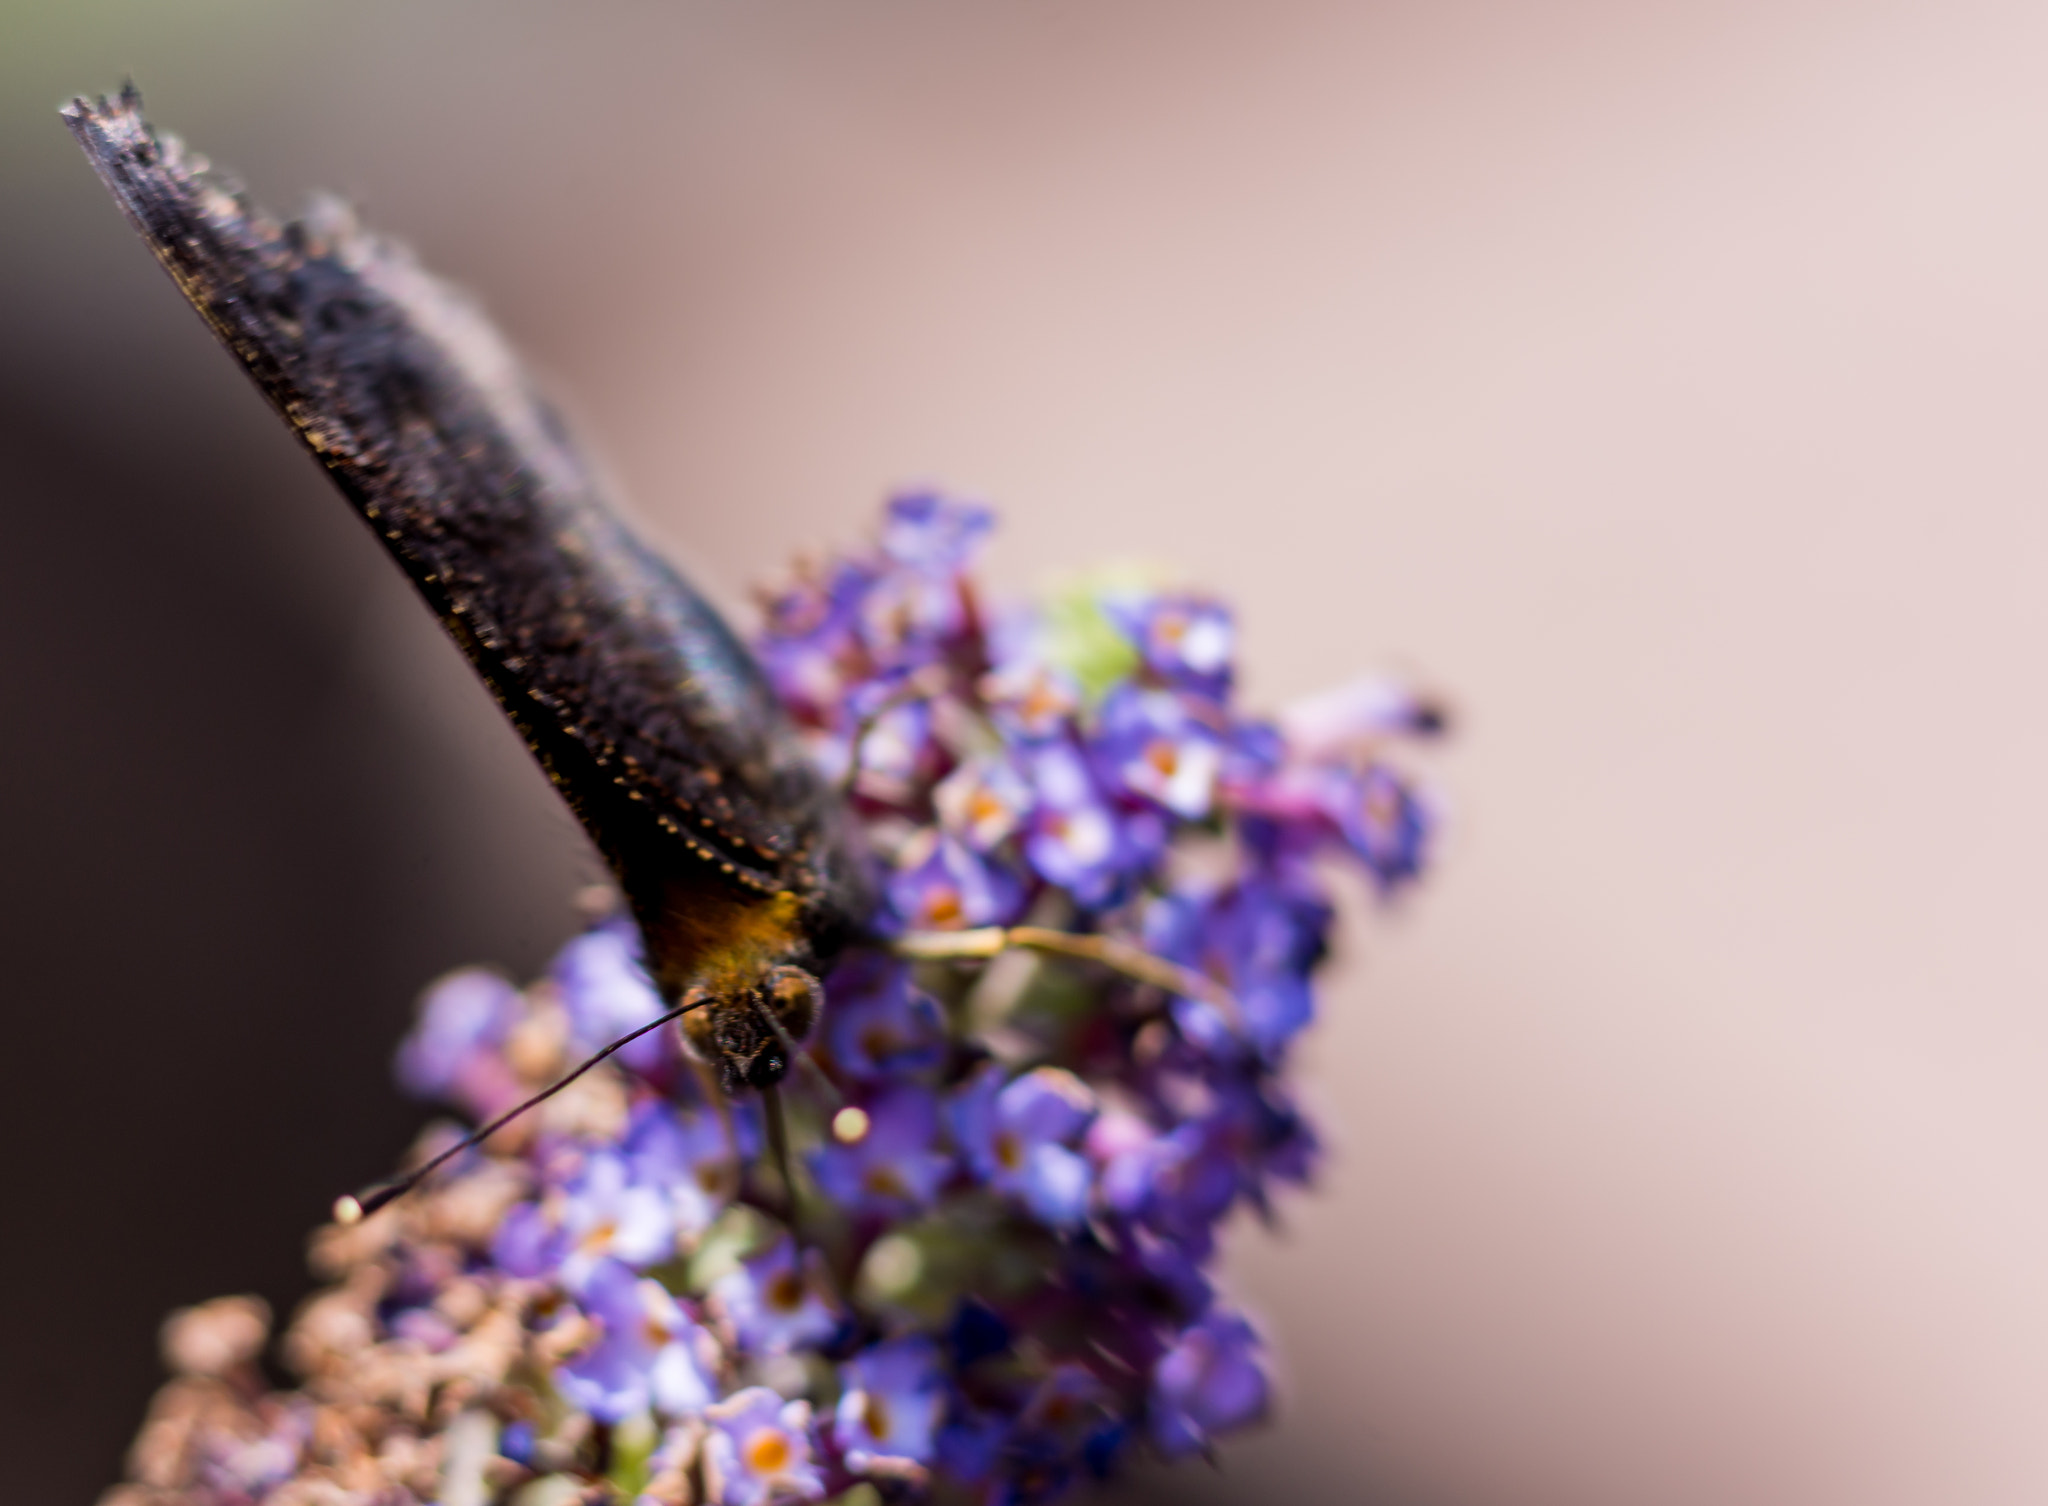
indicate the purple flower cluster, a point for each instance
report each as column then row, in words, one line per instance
column 994, row 1274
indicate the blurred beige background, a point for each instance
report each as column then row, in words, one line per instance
column 1663, row 381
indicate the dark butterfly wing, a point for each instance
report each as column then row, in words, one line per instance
column 646, row 711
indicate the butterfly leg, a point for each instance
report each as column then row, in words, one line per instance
column 713, row 1092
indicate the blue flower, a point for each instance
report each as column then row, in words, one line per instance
column 1174, row 1268
column 898, row 748
column 759, row 1449
column 528, row 1244
column 648, row 1352
column 970, row 1445
column 1262, row 937
column 773, row 1304
column 944, row 885
column 916, row 606
column 892, row 1169
column 1079, row 764
column 933, row 533
column 605, row 988
column 809, row 647
column 1019, row 1135
column 1156, row 747
column 1273, row 934
column 1336, row 725
column 690, row 1156
column 1029, row 700
column 890, row 1409
column 1076, row 839
column 1209, row 1382
column 1185, row 641
column 453, row 1051
column 1261, row 1132
column 1386, row 825
column 1294, row 806
column 983, row 801
column 881, row 1027
column 608, row 1216
column 1179, row 1183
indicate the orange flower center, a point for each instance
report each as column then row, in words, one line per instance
column 875, row 1414
column 1009, row 1154
column 767, row 1451
column 943, row 909
column 884, row 1182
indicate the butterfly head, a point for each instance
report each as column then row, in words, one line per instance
column 751, row 1029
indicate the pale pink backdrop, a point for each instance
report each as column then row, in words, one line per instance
column 1664, row 382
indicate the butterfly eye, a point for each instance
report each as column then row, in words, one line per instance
column 794, row 996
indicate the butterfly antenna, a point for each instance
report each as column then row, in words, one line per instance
column 355, row 1207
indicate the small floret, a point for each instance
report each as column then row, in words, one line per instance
column 1019, row 1136
column 890, row 1409
column 759, row 1449
column 649, row 1353
column 773, row 1302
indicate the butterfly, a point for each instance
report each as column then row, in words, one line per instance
column 738, row 858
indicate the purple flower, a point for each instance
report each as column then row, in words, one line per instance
column 648, row 1353
column 915, row 608
column 1386, row 825
column 880, row 1027
column 773, row 1304
column 809, row 648
column 1030, row 701
column 1261, row 1133
column 1018, row 1137
column 1157, row 748
column 1067, row 1402
column 670, row 1175
column 970, row 1445
column 1175, row 1268
column 759, row 1449
column 1186, row 641
column 891, row 1406
column 934, row 534
column 944, row 885
column 607, row 992
column 607, row 1216
column 1335, row 724
column 892, row 1169
column 689, row 1157
column 1036, row 1211
column 1075, row 840
column 528, row 1243
column 897, row 748
column 1372, row 811
column 983, row 801
column 453, row 1050
column 1179, row 1183
column 1262, row 937
column 1274, row 934
column 1209, row 1382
